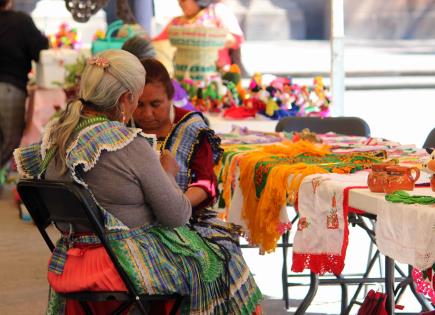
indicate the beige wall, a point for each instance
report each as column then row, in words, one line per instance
column 366, row 19
column 390, row 19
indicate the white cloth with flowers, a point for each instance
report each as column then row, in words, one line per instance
column 406, row 232
column 322, row 233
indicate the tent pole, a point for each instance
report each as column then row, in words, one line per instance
column 337, row 57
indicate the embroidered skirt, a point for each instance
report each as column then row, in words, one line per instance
column 226, row 236
column 161, row 261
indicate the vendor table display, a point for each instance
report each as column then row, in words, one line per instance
column 278, row 97
column 267, row 177
column 258, row 181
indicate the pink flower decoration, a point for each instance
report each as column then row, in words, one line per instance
column 99, row 62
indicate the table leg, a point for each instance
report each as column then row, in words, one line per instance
column 389, row 285
column 284, row 278
column 314, row 284
column 344, row 296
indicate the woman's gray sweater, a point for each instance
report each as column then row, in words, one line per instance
column 131, row 184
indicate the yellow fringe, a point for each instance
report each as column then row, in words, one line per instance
column 262, row 214
column 292, row 149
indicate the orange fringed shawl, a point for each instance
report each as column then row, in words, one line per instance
column 262, row 213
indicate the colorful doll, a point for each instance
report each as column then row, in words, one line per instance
column 429, row 166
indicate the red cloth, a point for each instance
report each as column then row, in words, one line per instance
column 89, row 268
column 346, row 206
column 374, row 304
column 235, row 112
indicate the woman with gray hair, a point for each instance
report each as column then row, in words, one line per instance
column 145, row 212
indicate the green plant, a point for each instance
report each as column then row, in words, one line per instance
column 73, row 73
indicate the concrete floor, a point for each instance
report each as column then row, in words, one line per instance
column 23, row 266
column 23, row 270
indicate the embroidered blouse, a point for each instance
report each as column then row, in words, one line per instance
column 204, row 156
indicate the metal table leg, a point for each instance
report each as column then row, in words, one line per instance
column 343, row 295
column 389, row 285
column 284, row 280
column 314, row 285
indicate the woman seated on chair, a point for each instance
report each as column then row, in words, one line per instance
column 144, row 211
column 196, row 149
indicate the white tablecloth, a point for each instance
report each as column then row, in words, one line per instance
column 222, row 125
column 404, row 232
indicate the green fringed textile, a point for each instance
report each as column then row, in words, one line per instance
column 186, row 242
column 404, row 197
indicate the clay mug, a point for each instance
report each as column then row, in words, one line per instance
column 400, row 178
column 375, row 179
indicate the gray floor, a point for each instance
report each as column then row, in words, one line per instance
column 23, row 270
column 23, row 266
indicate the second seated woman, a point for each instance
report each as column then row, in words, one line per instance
column 197, row 150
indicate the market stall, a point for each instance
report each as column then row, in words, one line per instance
column 325, row 184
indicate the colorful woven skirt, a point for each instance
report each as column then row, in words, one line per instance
column 240, row 279
column 160, row 261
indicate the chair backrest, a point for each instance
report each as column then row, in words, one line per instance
column 430, row 140
column 352, row 126
column 64, row 202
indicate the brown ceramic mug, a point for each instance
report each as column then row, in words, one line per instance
column 400, row 178
column 375, row 179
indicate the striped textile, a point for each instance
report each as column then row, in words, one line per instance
column 182, row 141
column 162, row 261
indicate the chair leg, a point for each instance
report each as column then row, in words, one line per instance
column 86, row 308
column 141, row 307
column 122, row 308
column 177, row 305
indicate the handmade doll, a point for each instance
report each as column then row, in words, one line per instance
column 429, row 166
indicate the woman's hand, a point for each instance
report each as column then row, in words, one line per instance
column 169, row 164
